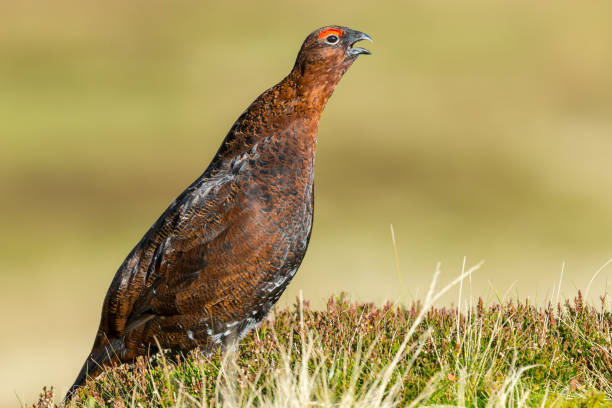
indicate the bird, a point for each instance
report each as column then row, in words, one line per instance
column 220, row 256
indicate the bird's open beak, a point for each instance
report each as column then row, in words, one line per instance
column 354, row 37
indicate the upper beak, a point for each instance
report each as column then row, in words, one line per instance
column 356, row 36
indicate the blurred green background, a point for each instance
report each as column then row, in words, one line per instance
column 478, row 128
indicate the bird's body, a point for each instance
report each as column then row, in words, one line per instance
column 220, row 256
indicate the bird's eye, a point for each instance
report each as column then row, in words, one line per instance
column 331, row 39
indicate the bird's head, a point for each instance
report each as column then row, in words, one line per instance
column 330, row 51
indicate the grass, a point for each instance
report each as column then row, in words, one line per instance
column 361, row 355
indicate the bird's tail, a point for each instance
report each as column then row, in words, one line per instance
column 102, row 354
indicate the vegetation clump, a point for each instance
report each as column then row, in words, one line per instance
column 362, row 355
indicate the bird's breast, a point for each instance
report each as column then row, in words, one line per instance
column 277, row 173
column 277, row 181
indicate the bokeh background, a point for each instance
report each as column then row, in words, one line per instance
column 479, row 128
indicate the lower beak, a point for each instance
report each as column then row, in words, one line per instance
column 354, row 37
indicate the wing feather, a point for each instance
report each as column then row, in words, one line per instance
column 169, row 252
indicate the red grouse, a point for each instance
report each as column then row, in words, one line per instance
column 221, row 255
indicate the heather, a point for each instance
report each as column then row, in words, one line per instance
column 362, row 355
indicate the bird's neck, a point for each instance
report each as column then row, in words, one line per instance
column 291, row 109
column 312, row 86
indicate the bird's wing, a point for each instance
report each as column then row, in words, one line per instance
column 172, row 253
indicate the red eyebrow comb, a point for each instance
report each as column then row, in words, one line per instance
column 329, row 31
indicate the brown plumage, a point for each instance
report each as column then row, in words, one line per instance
column 220, row 256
